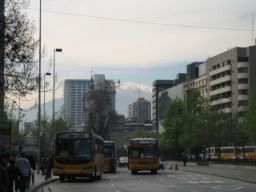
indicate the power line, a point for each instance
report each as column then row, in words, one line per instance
column 141, row 21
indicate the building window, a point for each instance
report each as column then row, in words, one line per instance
column 243, row 59
column 243, row 103
column 243, row 81
column 243, row 92
column 242, row 70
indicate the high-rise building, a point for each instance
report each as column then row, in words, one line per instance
column 139, row 111
column 158, row 86
column 74, row 97
column 74, row 91
column 231, row 79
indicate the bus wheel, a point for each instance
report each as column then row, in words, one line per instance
column 134, row 172
column 62, row 178
column 154, row 172
column 69, row 178
column 99, row 176
column 93, row 176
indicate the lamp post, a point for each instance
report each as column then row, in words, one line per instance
column 53, row 92
column 39, row 79
column 46, row 74
column 43, row 132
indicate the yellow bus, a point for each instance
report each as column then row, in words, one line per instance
column 229, row 153
column 213, row 153
column 78, row 154
column 143, row 155
column 248, row 152
column 110, row 156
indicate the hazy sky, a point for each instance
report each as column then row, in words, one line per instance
column 139, row 40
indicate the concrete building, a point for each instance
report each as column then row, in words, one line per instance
column 99, row 103
column 197, row 79
column 231, row 77
column 131, row 112
column 158, row 87
column 74, row 90
column 139, row 111
column 74, row 97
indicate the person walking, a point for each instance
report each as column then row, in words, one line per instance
column 32, row 162
column 185, row 159
column 13, row 175
column 24, row 167
column 4, row 182
column 49, row 167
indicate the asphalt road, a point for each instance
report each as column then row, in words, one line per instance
column 166, row 180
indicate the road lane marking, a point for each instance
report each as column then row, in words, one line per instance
column 232, row 188
column 172, row 185
column 193, row 182
column 218, row 181
column 205, row 182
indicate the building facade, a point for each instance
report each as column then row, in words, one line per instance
column 139, row 111
column 158, row 86
column 231, row 77
column 74, row 91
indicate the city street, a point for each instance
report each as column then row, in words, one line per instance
column 166, row 180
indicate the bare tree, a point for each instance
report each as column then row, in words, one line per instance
column 100, row 113
column 18, row 72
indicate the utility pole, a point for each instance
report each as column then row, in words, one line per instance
column 2, row 55
column 39, row 80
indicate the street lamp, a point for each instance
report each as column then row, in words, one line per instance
column 53, row 92
column 43, row 132
column 46, row 74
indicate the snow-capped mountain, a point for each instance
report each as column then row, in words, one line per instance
column 126, row 93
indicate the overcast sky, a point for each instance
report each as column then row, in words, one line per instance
column 139, row 40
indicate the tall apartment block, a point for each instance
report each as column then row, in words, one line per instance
column 158, row 86
column 158, row 107
column 74, row 94
column 74, row 91
column 140, row 111
column 231, row 78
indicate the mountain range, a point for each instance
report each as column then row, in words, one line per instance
column 126, row 93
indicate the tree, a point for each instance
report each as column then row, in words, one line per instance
column 247, row 124
column 100, row 115
column 173, row 124
column 18, row 71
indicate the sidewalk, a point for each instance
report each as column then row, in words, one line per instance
column 238, row 172
column 40, row 181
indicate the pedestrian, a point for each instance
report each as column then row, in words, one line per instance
column 32, row 162
column 44, row 164
column 24, row 167
column 49, row 167
column 13, row 175
column 4, row 182
column 185, row 159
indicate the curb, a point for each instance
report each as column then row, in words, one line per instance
column 234, row 178
column 35, row 188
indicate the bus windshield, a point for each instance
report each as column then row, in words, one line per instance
column 145, row 151
column 73, row 149
column 109, row 150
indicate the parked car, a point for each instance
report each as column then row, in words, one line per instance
column 123, row 162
